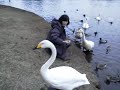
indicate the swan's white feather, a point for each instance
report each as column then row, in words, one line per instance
column 65, row 76
column 88, row 44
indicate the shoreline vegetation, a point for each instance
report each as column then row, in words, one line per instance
column 20, row 32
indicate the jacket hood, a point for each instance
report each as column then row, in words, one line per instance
column 55, row 24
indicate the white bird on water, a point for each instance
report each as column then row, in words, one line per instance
column 85, row 25
column 87, row 44
column 98, row 18
column 63, row 77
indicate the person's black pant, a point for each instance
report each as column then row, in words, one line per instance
column 61, row 50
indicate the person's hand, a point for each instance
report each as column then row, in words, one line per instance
column 67, row 41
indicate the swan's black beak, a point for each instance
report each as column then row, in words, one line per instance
column 35, row 48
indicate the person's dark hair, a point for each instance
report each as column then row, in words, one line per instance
column 64, row 18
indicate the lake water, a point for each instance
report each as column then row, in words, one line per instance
column 109, row 12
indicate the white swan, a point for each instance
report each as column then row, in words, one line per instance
column 63, row 77
column 98, row 18
column 85, row 25
column 88, row 45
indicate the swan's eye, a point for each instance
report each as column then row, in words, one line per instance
column 42, row 44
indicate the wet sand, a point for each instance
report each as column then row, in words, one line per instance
column 20, row 32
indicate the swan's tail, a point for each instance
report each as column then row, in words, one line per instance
column 85, row 79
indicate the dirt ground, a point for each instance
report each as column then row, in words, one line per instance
column 20, row 32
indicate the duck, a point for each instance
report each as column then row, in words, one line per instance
column 81, row 21
column 100, row 66
column 54, row 76
column 108, row 49
column 101, row 41
column 110, row 22
column 113, row 78
column 77, row 10
column 84, row 15
column 79, row 33
column 95, row 33
column 64, row 11
column 98, row 18
column 85, row 25
column 87, row 44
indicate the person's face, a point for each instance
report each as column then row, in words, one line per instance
column 64, row 23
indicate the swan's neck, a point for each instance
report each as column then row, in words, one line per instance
column 84, row 39
column 52, row 58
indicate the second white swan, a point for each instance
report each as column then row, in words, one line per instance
column 87, row 44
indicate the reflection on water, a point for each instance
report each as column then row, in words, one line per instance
column 89, row 56
column 109, row 12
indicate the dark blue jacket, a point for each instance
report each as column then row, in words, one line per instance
column 57, row 35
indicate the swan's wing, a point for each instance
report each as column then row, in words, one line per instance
column 65, row 76
column 92, row 43
column 88, row 44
